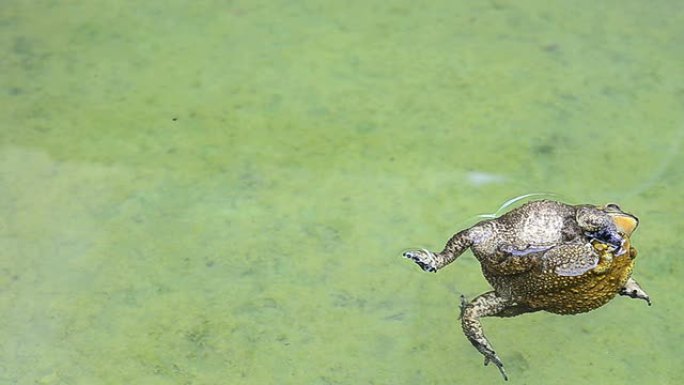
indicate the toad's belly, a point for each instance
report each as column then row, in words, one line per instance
column 565, row 294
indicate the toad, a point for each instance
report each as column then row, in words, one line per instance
column 544, row 255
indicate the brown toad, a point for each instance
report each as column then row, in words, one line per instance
column 544, row 255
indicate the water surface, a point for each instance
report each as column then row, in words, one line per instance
column 219, row 192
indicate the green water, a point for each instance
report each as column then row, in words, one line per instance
column 218, row 192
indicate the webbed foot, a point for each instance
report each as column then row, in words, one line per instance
column 423, row 258
column 633, row 290
column 495, row 359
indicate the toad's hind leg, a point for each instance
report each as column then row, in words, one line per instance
column 431, row 262
column 487, row 305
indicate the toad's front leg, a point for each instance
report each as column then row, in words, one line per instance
column 431, row 262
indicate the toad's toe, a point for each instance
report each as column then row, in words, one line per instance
column 423, row 258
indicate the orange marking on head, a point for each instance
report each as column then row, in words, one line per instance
column 625, row 224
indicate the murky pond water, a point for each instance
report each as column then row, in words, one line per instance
column 219, row 192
